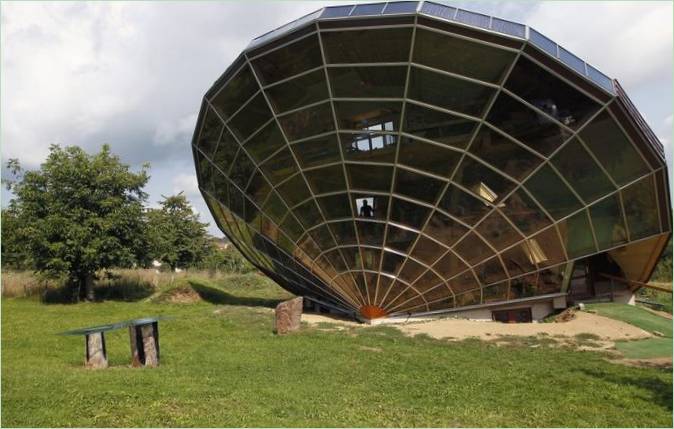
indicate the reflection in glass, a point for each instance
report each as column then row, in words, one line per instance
column 482, row 180
column 368, row 82
column 280, row 166
column 370, row 147
column 370, row 233
column 608, row 222
column 417, row 186
column 317, row 151
column 307, row 89
column 225, row 151
column 237, row 91
column 242, row 169
column 265, row 142
column 546, row 186
column 473, row 249
column 289, row 60
column 294, row 190
column 444, row 228
column 577, row 235
column 524, row 213
column 368, row 115
column 250, row 118
column 378, row 206
column 369, row 177
column 427, row 250
column 374, row 46
column 326, row 179
column 504, row 154
column 308, row 214
column 450, row 265
column 463, row 205
column 210, row 133
column 641, row 208
column 335, row 206
column 521, row 259
column 258, row 188
column 409, row 214
column 428, row 157
column 399, row 238
column 308, row 122
column 438, row 126
column 497, row 231
column 545, row 249
column 495, row 293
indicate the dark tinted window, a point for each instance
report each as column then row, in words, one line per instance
column 237, row 91
column 438, row 126
column 308, row 122
column 428, row 157
column 367, row 46
column 368, row 82
column 290, row 60
column 552, row 193
column 504, row 154
column 298, row 92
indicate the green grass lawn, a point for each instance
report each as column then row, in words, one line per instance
column 222, row 366
column 644, row 319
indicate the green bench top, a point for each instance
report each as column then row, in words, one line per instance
column 113, row 326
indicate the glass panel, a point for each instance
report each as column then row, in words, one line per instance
column 371, row 233
column 292, row 227
column 468, row 58
column 409, row 214
column 367, row 46
column 523, row 287
column 517, row 260
column 427, row 250
column 210, row 132
column 438, row 126
column 463, row 205
column 294, row 190
column 482, row 180
column 411, row 270
column 242, row 169
column 238, row 90
column 290, row 60
column 417, row 186
column 391, row 262
column 473, row 249
column 371, row 258
column 449, row 265
column 497, row 231
column 550, row 280
column 577, row 235
column 308, row 246
column 280, row 166
column 371, row 206
column 608, row 222
column 403, row 297
column 322, row 237
column 463, row 283
column 335, row 206
column 308, row 214
column 545, row 249
column 368, row 9
column 490, row 271
column 641, row 208
column 428, row 157
column 225, row 152
column 546, row 186
column 274, row 208
column 448, row 92
column 258, row 188
column 308, row 122
column 335, row 258
column 321, row 150
column 582, row 172
column 495, row 293
column 401, row 7
column 266, row 142
column 368, row 115
column 433, row 285
column 298, row 92
column 368, row 82
column 344, row 232
column 444, row 229
column 550, row 94
column 371, row 147
column 524, row 213
column 531, row 128
column 327, row 179
column 504, row 154
column 250, row 118
column 353, row 261
column 399, row 239
column 620, row 159
column 370, row 177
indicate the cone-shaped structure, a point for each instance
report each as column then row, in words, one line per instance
column 410, row 157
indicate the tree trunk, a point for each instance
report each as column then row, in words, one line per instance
column 86, row 287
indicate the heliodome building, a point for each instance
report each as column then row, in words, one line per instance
column 403, row 158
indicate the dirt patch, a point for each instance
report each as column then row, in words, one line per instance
column 324, row 319
column 658, row 312
column 180, row 295
column 371, row 349
column 661, row 362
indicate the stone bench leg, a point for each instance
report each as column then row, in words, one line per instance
column 144, row 345
column 95, row 353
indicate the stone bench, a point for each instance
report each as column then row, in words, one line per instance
column 143, row 338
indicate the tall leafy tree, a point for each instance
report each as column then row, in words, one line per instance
column 176, row 236
column 79, row 213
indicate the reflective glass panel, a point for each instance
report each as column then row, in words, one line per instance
column 444, row 229
column 468, row 58
column 327, row 179
column 371, row 233
column 608, row 222
column 210, row 132
column 490, row 271
column 523, row 287
column 504, row 154
column 258, row 188
column 322, row 237
column 438, row 126
column 517, row 260
column 463, row 283
column 497, row 231
column 367, row 46
column 370, row 147
column 537, row 131
column 294, row 190
column 308, row 122
column 391, row 262
column 371, row 258
column 482, row 180
column 292, row 227
column 417, row 186
column 427, row 250
column 242, row 169
column 274, row 208
column 335, row 206
column 308, row 214
column 577, row 235
column 449, row 266
column 550, row 280
column 409, row 214
column 321, row 150
column 582, row 172
column 550, row 94
column 225, row 152
column 368, row 115
column 237, row 91
column 289, row 60
column 370, row 177
column 368, row 82
column 249, row 119
column 545, row 249
column 448, row 92
column 641, row 208
column 428, row 157
column 298, row 92
column 463, row 206
column 280, row 166
column 345, row 232
column 524, row 212
column 473, row 249
column 553, row 194
column 265, row 142
column 370, row 206
column 613, row 150
column 399, row 239
column 411, row 270
column 495, row 293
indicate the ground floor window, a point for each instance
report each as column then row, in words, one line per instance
column 516, row 315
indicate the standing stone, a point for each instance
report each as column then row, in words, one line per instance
column 144, row 341
column 288, row 316
column 95, row 353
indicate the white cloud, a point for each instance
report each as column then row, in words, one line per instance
column 187, row 183
column 171, row 132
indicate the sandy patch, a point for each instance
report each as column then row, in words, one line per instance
column 662, row 362
column 315, row 319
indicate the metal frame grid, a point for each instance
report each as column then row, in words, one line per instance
column 343, row 287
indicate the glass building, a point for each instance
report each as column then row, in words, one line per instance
column 402, row 158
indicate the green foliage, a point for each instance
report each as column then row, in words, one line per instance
column 175, row 235
column 77, row 214
column 226, row 260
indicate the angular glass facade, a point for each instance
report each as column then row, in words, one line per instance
column 408, row 157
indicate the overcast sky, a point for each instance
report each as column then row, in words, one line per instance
column 132, row 74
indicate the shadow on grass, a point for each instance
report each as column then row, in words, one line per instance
column 658, row 391
column 220, row 297
column 119, row 290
